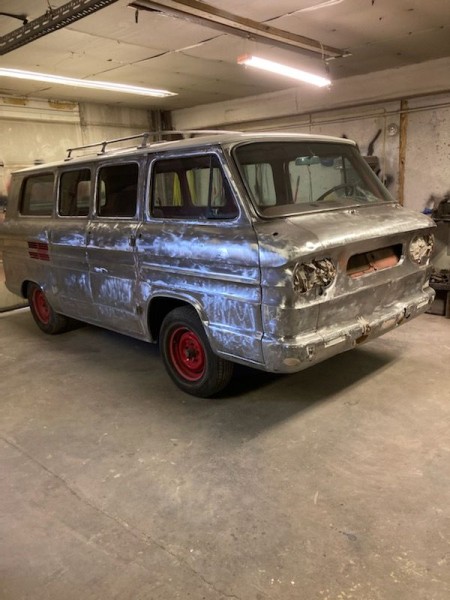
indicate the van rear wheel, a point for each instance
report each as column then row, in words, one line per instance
column 45, row 317
column 188, row 357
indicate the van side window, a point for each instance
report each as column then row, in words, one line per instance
column 74, row 193
column 37, row 195
column 191, row 187
column 117, row 190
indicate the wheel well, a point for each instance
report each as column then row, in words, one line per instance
column 24, row 289
column 158, row 309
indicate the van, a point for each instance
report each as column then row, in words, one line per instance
column 275, row 251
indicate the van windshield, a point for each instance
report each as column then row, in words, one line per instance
column 288, row 177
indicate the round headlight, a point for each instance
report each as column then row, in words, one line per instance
column 315, row 274
column 421, row 247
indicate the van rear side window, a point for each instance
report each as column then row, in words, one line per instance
column 74, row 193
column 37, row 195
column 117, row 190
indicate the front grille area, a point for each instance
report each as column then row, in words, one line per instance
column 375, row 260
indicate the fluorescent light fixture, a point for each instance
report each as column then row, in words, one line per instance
column 85, row 83
column 279, row 69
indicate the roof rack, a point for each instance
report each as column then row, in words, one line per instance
column 144, row 137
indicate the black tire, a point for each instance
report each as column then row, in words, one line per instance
column 43, row 314
column 188, row 357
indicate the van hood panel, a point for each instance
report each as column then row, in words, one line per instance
column 284, row 240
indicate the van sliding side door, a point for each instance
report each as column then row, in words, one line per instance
column 111, row 247
column 67, row 238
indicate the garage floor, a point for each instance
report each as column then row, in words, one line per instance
column 329, row 484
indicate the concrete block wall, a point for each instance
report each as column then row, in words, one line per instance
column 34, row 131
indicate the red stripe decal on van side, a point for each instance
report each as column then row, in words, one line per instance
column 38, row 250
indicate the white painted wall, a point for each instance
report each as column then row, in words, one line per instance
column 32, row 130
column 427, row 163
column 38, row 130
column 382, row 86
column 101, row 122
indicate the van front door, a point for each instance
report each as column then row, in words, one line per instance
column 111, row 248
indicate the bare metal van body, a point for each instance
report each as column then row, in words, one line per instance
column 275, row 251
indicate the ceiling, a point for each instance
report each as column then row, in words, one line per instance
column 198, row 63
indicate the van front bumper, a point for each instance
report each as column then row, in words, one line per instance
column 289, row 355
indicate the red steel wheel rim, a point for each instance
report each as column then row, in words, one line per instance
column 41, row 306
column 187, row 354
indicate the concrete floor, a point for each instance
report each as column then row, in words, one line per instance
column 330, row 484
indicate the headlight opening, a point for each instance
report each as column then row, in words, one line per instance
column 317, row 274
column 421, row 248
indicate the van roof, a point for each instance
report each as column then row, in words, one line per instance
column 100, row 150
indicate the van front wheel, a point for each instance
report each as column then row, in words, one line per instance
column 43, row 314
column 188, row 357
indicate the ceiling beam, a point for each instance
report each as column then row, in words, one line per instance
column 52, row 20
column 226, row 22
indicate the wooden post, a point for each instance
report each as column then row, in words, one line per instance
column 402, row 150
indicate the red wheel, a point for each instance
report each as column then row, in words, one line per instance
column 188, row 356
column 41, row 306
column 43, row 314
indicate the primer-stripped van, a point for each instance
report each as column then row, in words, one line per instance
column 275, row 251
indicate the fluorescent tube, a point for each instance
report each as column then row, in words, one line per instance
column 279, row 69
column 85, row 83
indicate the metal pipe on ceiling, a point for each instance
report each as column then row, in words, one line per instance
column 52, row 20
column 226, row 22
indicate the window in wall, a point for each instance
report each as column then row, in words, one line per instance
column 191, row 187
column 37, row 195
column 117, row 190
column 74, row 193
